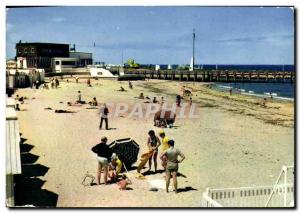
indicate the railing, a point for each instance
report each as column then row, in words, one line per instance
column 279, row 195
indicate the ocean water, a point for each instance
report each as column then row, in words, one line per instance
column 284, row 91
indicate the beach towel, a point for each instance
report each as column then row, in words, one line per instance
column 144, row 159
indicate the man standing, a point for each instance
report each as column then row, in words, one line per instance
column 104, row 116
column 172, row 164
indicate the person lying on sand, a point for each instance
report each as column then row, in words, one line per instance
column 124, row 182
column 63, row 111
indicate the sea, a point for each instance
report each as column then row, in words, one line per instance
column 281, row 91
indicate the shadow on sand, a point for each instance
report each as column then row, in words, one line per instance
column 28, row 185
column 186, row 189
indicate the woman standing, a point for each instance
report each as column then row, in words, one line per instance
column 172, row 164
column 153, row 144
column 104, row 154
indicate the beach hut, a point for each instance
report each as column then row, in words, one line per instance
column 13, row 159
column 100, row 72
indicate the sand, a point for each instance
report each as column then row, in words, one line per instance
column 235, row 142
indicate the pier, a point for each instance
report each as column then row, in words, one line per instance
column 216, row 75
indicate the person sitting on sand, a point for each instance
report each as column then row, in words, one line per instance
column 172, row 164
column 115, row 167
column 141, row 96
column 154, row 100
column 104, row 153
column 122, row 89
column 165, row 146
column 124, row 182
column 130, row 85
column 63, row 111
column 153, row 144
column 88, row 82
column 76, row 79
column 94, row 102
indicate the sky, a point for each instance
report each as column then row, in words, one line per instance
column 160, row 35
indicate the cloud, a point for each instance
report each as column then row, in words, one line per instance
column 58, row 19
column 271, row 38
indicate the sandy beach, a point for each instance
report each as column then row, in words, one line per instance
column 234, row 142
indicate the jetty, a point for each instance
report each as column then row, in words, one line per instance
column 216, row 75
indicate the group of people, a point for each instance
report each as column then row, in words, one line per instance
column 111, row 165
column 54, row 83
column 169, row 156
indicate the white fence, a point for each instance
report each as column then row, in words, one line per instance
column 279, row 195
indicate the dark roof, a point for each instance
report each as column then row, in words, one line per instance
column 45, row 43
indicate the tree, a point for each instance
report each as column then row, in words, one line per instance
column 132, row 64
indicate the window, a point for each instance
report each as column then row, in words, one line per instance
column 68, row 63
column 32, row 50
column 25, row 50
column 99, row 73
column 19, row 50
column 57, row 62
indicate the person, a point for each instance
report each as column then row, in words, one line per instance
column 104, row 153
column 67, row 80
column 18, row 107
column 37, row 84
column 115, row 167
column 52, row 83
column 141, row 96
column 76, row 79
column 178, row 100
column 124, row 182
column 104, row 116
column 264, row 102
column 130, row 84
column 172, row 164
column 191, row 101
column 94, row 102
column 153, row 144
column 122, row 89
column 165, row 146
column 230, row 91
column 79, row 97
column 154, row 100
column 56, row 83
column 162, row 100
column 88, row 82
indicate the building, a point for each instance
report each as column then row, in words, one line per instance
column 52, row 57
column 39, row 55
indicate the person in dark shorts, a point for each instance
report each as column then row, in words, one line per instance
column 153, row 144
column 104, row 154
column 172, row 154
column 104, row 116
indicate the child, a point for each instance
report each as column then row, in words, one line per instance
column 124, row 182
